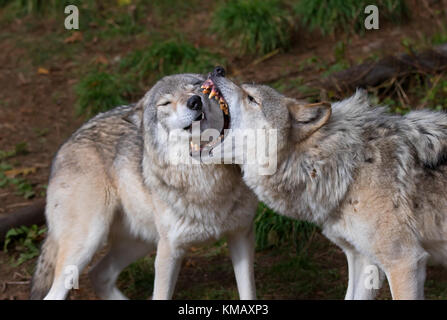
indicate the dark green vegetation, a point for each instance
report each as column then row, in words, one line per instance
column 331, row 16
column 273, row 230
column 100, row 91
column 253, row 26
column 25, row 242
column 10, row 176
column 23, row 7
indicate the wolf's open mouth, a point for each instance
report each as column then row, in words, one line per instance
column 210, row 88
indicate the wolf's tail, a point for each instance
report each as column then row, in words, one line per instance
column 44, row 274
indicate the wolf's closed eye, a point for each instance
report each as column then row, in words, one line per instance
column 164, row 103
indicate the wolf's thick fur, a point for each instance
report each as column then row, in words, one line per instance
column 373, row 181
column 112, row 180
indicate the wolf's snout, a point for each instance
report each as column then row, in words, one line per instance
column 219, row 72
column 194, row 103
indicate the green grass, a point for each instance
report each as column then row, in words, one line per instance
column 168, row 57
column 56, row 50
column 22, row 186
column 24, row 241
column 440, row 37
column 435, row 290
column 119, row 22
column 23, row 7
column 96, row 19
column 172, row 9
column 273, row 230
column 331, row 16
column 252, row 26
column 435, row 95
column 423, row 90
column 100, row 91
column 137, row 280
column 19, row 149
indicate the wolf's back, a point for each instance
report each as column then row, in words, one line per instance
column 427, row 132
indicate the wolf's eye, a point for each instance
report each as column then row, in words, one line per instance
column 164, row 103
column 251, row 99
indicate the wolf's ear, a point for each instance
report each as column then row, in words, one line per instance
column 308, row 118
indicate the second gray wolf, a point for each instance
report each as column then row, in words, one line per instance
column 113, row 181
column 375, row 182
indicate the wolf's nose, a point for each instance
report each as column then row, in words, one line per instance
column 194, row 103
column 219, row 71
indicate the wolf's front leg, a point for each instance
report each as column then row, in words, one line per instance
column 365, row 278
column 167, row 267
column 406, row 276
column 242, row 247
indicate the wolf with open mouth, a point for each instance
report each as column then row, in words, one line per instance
column 373, row 181
column 113, row 180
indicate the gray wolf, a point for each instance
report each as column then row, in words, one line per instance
column 375, row 182
column 113, row 181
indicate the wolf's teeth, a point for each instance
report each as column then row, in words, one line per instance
column 212, row 94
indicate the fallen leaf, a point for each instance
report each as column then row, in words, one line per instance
column 101, row 60
column 190, row 263
column 24, row 171
column 41, row 70
column 76, row 36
